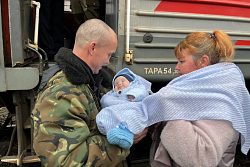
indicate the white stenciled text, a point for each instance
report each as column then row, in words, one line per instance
column 160, row 71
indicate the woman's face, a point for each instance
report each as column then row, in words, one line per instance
column 186, row 63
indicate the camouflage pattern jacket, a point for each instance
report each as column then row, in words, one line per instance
column 65, row 130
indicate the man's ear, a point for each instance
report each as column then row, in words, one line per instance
column 92, row 47
column 204, row 61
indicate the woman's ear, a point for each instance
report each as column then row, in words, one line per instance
column 204, row 61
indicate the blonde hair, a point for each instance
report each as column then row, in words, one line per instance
column 217, row 46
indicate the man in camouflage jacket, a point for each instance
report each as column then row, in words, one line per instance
column 65, row 130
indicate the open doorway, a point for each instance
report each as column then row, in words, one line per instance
column 78, row 11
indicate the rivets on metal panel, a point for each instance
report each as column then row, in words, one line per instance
column 148, row 38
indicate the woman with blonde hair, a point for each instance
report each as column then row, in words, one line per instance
column 209, row 106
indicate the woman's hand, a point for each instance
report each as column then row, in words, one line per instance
column 156, row 126
column 140, row 136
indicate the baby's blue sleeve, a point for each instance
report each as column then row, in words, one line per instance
column 138, row 92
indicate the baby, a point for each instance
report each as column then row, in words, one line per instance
column 127, row 87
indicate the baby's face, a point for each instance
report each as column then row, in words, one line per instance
column 120, row 83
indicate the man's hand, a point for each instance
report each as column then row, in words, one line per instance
column 140, row 136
